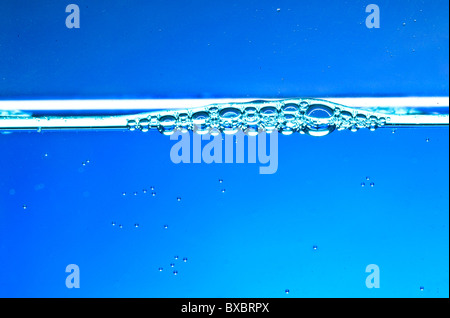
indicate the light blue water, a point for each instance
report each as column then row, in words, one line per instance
column 115, row 203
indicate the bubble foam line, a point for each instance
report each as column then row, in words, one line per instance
column 307, row 116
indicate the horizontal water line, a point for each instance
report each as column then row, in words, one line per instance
column 151, row 104
column 308, row 116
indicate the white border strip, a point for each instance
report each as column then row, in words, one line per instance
column 149, row 104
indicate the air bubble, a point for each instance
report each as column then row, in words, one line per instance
column 113, row 223
column 372, row 184
column 24, row 207
column 363, row 185
column 315, row 247
column 178, row 199
column 166, row 226
column 175, row 273
column 143, row 124
column 131, row 125
column 185, row 259
column 286, row 291
column 136, row 225
column 172, row 265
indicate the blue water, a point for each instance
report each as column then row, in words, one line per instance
column 310, row 227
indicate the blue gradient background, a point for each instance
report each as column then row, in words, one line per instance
column 256, row 239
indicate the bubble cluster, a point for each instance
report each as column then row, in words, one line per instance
column 287, row 116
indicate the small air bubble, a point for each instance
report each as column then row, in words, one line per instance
column 120, row 226
column 135, row 193
column 367, row 178
column 178, row 199
column 24, row 207
column 185, row 259
column 113, row 223
column 315, row 247
column 176, row 257
column 154, row 194
column 372, row 184
column 136, row 225
column 124, row 193
column 160, row 269
column 175, row 272
column 166, row 226
column 223, row 190
column 144, row 191
column 421, row 288
column 220, row 181
column 286, row 291
column 427, row 140
column 278, row 9
column 363, row 185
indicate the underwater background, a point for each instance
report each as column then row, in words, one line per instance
column 308, row 230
